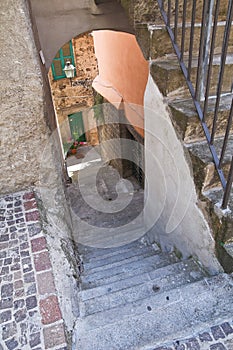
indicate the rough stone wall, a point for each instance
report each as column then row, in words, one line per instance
column 113, row 125
column 30, row 147
column 22, row 123
column 31, row 156
column 71, row 99
column 108, row 121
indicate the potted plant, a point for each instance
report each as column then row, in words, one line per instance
column 74, row 147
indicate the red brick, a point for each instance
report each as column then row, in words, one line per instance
column 45, row 283
column 54, row 336
column 30, row 205
column 49, row 309
column 29, row 195
column 33, row 216
column 42, row 261
column 38, row 244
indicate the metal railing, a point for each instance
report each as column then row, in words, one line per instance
column 194, row 31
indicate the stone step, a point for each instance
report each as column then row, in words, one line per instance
column 185, row 117
column 205, row 174
column 160, row 43
column 109, row 237
column 142, row 265
column 201, row 149
column 151, row 33
column 169, row 78
column 173, row 314
column 95, row 254
column 138, row 288
column 116, row 259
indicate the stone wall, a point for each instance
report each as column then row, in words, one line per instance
column 30, row 147
column 108, row 121
column 78, row 97
column 23, row 125
column 31, row 155
column 113, row 125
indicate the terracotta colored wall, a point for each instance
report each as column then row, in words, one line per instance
column 122, row 66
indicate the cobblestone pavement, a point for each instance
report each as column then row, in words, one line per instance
column 216, row 337
column 30, row 317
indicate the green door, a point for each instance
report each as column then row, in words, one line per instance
column 77, row 126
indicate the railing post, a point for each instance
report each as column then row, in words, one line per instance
column 205, row 41
column 203, row 79
column 227, row 191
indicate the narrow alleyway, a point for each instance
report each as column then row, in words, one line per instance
column 107, row 210
column 133, row 296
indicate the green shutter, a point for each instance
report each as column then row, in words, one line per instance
column 65, row 53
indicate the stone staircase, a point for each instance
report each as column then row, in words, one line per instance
column 165, row 70
column 136, row 297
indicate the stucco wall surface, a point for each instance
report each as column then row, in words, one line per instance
column 23, row 130
column 172, row 203
column 59, row 21
column 123, row 72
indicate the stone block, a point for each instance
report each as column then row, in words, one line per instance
column 42, row 261
column 38, row 244
column 49, row 309
column 54, row 336
column 45, row 283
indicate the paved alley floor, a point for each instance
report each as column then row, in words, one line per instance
column 107, row 210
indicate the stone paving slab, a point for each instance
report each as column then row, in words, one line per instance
column 30, row 316
column 216, row 337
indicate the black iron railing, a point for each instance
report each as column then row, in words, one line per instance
column 182, row 19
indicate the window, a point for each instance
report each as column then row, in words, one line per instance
column 59, row 61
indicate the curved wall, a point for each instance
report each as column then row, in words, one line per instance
column 123, row 73
column 59, row 21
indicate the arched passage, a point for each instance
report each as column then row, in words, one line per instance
column 59, row 21
column 120, row 81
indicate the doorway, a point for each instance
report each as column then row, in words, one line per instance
column 77, row 127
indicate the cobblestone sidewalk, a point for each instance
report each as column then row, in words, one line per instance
column 30, row 317
column 217, row 337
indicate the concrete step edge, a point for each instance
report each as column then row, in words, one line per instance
column 146, row 265
column 153, row 260
column 119, row 259
column 187, row 270
column 106, row 253
column 173, row 319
